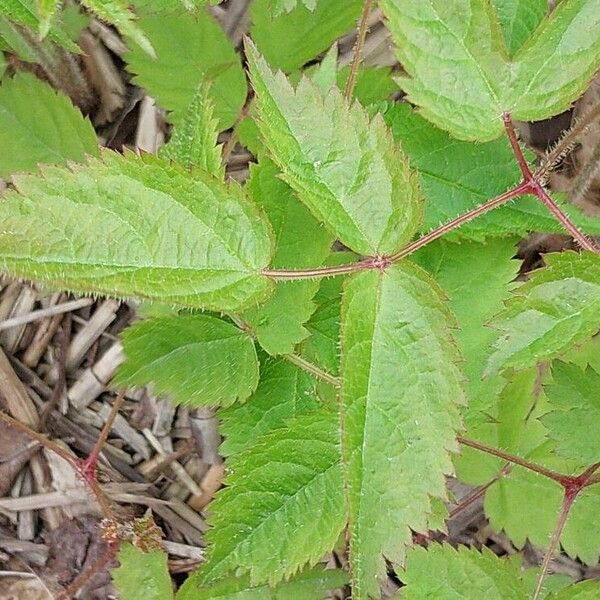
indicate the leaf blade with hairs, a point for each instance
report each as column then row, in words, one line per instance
column 290, row 480
column 400, row 413
column 309, row 584
column 300, row 242
column 345, row 168
column 202, row 52
column 48, row 130
column 198, row 360
column 95, row 228
column 443, row 567
column 142, row 574
column 552, row 312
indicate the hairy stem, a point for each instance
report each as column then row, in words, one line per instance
column 358, row 48
column 313, row 369
column 295, row 275
column 516, row 147
column 566, row 142
column 517, row 460
column 563, row 219
column 567, row 503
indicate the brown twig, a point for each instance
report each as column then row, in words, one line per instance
column 363, row 26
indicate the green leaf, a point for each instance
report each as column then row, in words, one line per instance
column 475, row 296
column 309, row 584
column 401, row 391
column 284, row 391
column 280, row 6
column 466, row 87
column 25, row 13
column 457, row 176
column 323, row 345
column 46, row 10
column 343, row 166
column 194, row 141
column 202, row 52
column 290, row 40
column 584, row 590
column 574, row 412
column 142, row 575
column 117, row 13
column 137, row 226
column 519, row 19
column 300, row 243
column 198, row 360
column 289, row 481
column 40, row 125
column 555, row 310
column 541, row 499
column 440, row 571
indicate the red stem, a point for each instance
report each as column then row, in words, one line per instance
column 516, row 148
column 517, row 460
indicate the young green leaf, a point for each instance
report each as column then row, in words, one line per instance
column 137, row 226
column 323, row 345
column 39, row 125
column 457, row 176
column 574, row 412
column 343, row 166
column 519, row 19
column 194, row 141
column 440, row 571
column 476, row 295
column 117, row 13
column 280, row 6
column 556, row 309
column 466, row 87
column 202, row 52
column 401, row 391
column 309, row 584
column 24, row 12
column 142, row 575
column 289, row 481
column 584, row 590
column 290, row 40
column 46, row 10
column 198, row 360
column 300, row 242
column 284, row 391
column 540, row 499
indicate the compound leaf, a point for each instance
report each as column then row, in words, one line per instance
column 343, row 166
column 457, row 176
column 309, row 584
column 189, row 48
column 196, row 359
column 39, row 125
column 300, row 242
column 574, row 411
column 289, row 40
column 289, row 481
column 194, row 140
column 142, row 575
column 137, row 226
column 556, row 309
column 401, row 391
column 460, row 74
column 462, row 574
column 284, row 391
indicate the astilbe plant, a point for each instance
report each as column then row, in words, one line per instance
column 377, row 374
